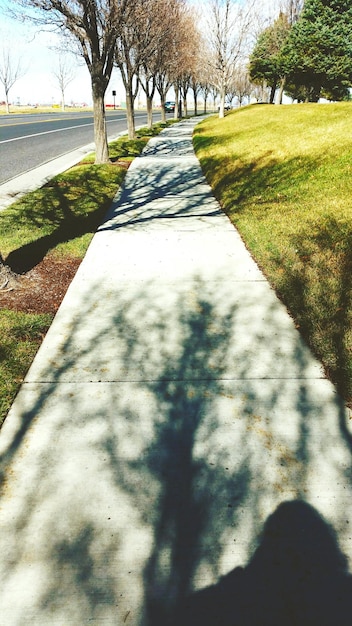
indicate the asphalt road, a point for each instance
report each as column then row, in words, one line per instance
column 27, row 141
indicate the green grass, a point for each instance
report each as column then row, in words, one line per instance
column 58, row 219
column 21, row 336
column 283, row 175
column 61, row 216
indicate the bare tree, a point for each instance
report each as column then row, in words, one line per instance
column 184, row 57
column 140, row 52
column 128, row 56
column 190, row 77
column 240, row 85
column 11, row 69
column 205, row 91
column 214, row 92
column 229, row 29
column 64, row 74
column 196, row 87
column 160, row 63
column 169, row 52
column 199, row 77
column 163, row 84
column 207, row 77
column 165, row 51
column 158, row 28
column 92, row 26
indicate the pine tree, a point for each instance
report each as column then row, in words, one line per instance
column 317, row 55
column 265, row 61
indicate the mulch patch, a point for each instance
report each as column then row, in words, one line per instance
column 40, row 290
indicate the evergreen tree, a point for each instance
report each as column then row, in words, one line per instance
column 265, row 61
column 317, row 55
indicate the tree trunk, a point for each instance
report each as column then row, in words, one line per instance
column 8, row 279
column 314, row 94
column 162, row 101
column 264, row 96
column 149, row 111
column 62, row 100
column 272, row 94
column 162, row 93
column 205, row 95
column 130, row 115
column 281, row 90
column 222, row 102
column 177, row 112
column 100, row 135
column 7, row 101
column 149, row 86
column 195, row 93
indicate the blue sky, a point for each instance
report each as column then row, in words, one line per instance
column 35, row 49
column 39, row 60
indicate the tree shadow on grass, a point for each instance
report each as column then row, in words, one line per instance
column 317, row 288
column 331, row 242
column 313, row 271
column 65, row 209
column 28, row 256
column 257, row 182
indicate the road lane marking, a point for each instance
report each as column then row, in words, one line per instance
column 45, row 132
column 56, row 130
column 55, row 119
column 58, row 119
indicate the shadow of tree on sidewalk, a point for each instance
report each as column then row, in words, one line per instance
column 160, row 472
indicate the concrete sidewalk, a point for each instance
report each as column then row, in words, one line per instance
column 171, row 408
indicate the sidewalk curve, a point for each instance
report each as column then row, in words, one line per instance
column 171, row 408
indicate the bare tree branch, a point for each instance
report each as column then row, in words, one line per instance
column 11, row 70
column 64, row 75
column 94, row 26
column 229, row 30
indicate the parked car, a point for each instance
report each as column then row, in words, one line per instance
column 227, row 107
column 169, row 107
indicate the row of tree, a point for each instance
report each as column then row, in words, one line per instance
column 140, row 37
column 307, row 51
column 155, row 45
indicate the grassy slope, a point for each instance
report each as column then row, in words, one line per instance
column 283, row 175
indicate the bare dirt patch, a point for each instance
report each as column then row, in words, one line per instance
column 40, row 290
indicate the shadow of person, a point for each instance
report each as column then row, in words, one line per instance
column 297, row 577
